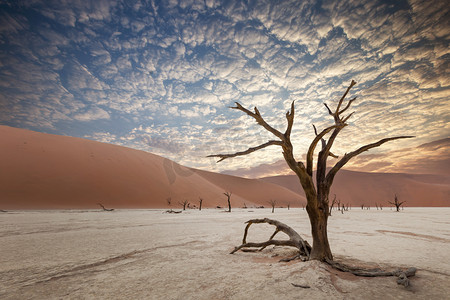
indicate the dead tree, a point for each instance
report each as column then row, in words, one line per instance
column 289, row 206
column 200, row 201
column 397, row 203
column 228, row 194
column 273, row 203
column 184, row 203
column 169, row 201
column 104, row 208
column 332, row 204
column 316, row 193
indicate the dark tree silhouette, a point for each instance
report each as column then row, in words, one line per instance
column 332, row 204
column 200, row 201
column 272, row 204
column 184, row 203
column 104, row 208
column 397, row 203
column 228, row 194
column 316, row 193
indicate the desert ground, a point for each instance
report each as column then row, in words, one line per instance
column 150, row 254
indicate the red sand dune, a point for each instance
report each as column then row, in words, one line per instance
column 44, row 171
column 357, row 188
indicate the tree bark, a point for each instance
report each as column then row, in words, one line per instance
column 319, row 219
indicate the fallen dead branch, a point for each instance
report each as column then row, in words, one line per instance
column 402, row 275
column 104, row 208
column 171, row 211
column 296, row 241
column 303, row 286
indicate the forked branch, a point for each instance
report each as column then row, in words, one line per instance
column 348, row 156
column 257, row 116
column 312, row 147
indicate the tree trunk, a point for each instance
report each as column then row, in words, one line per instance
column 321, row 248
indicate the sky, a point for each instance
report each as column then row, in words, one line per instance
column 161, row 76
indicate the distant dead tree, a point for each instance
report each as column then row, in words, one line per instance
column 332, row 204
column 200, row 201
column 289, row 205
column 184, row 203
column 169, row 201
column 273, row 203
column 104, row 208
column 397, row 203
column 316, row 192
column 362, row 206
column 228, row 194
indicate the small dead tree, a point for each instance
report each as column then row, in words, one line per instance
column 317, row 192
column 397, row 203
column 289, row 205
column 104, row 208
column 273, row 203
column 228, row 194
column 184, row 203
column 332, row 204
column 169, row 201
column 200, row 201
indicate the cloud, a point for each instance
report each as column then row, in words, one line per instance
column 177, row 66
column 92, row 114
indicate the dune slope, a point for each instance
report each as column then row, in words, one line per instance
column 357, row 188
column 44, row 171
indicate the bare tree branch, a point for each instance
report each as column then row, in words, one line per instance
column 336, row 114
column 329, row 110
column 312, row 147
column 295, row 240
column 248, row 151
column 290, row 120
column 259, row 119
column 348, row 117
column 348, row 156
column 348, row 105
